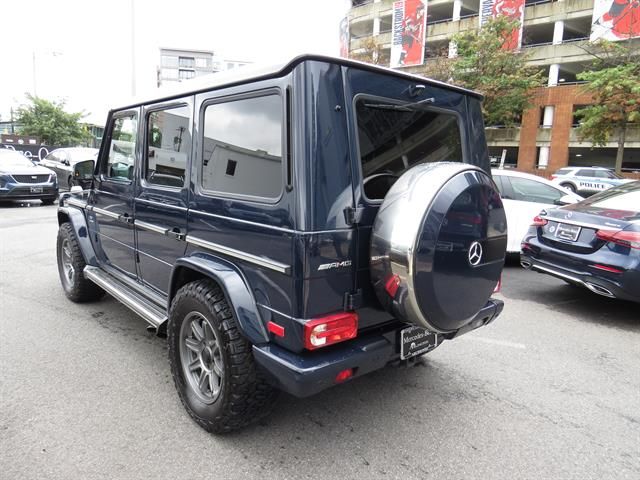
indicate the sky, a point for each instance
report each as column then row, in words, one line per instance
column 80, row 51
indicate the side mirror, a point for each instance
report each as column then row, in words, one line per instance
column 565, row 200
column 83, row 170
column 66, row 162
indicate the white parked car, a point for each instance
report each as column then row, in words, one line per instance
column 524, row 195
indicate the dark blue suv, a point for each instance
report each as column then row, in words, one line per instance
column 290, row 228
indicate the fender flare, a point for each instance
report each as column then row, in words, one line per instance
column 76, row 218
column 234, row 286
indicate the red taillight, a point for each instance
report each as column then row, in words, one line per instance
column 607, row 268
column 344, row 375
column 620, row 237
column 538, row 221
column 552, row 177
column 321, row 332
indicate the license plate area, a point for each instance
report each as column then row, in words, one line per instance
column 567, row 232
column 416, row 341
column 36, row 189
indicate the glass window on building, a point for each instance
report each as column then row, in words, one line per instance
column 186, row 62
column 186, row 74
column 242, row 147
column 169, row 61
column 202, row 63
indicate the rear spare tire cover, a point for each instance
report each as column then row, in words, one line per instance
column 438, row 245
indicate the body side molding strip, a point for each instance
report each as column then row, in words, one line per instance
column 256, row 260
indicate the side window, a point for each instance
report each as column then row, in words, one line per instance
column 498, row 180
column 604, row 174
column 585, row 173
column 242, row 147
column 52, row 157
column 122, row 148
column 527, row 190
column 168, row 146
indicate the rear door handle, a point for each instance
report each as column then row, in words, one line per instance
column 176, row 233
column 126, row 218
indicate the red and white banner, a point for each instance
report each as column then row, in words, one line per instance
column 409, row 25
column 344, row 37
column 615, row 19
column 509, row 8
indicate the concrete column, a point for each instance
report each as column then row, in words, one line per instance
column 547, row 117
column 457, row 6
column 376, row 26
column 558, row 31
column 554, row 70
column 543, row 158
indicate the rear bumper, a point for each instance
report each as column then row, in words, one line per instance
column 622, row 286
column 311, row 372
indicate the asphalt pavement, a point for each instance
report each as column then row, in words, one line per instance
column 550, row 390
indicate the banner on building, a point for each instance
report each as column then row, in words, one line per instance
column 509, row 8
column 615, row 20
column 344, row 37
column 409, row 24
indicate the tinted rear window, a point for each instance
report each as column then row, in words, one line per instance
column 563, row 171
column 391, row 141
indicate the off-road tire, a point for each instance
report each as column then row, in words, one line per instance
column 77, row 289
column 569, row 186
column 244, row 396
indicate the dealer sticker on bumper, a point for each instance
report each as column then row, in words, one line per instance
column 416, row 341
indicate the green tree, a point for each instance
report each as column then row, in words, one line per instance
column 49, row 121
column 614, row 82
column 500, row 74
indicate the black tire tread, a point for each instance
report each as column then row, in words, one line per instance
column 84, row 290
column 249, row 397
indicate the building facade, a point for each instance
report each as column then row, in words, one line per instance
column 177, row 65
column 554, row 34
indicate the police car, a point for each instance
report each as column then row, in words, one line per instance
column 587, row 180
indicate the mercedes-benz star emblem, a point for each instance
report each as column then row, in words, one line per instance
column 475, row 254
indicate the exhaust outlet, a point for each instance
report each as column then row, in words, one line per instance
column 599, row 290
column 525, row 264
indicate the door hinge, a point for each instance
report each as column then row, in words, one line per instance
column 353, row 301
column 353, row 215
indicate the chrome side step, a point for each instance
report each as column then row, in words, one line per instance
column 124, row 294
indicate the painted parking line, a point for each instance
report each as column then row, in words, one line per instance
column 491, row 341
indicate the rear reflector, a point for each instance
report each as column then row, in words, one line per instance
column 344, row 375
column 538, row 221
column 392, row 285
column 321, row 332
column 498, row 285
column 620, row 237
column 275, row 329
column 607, row 268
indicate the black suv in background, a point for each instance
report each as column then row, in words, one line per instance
column 290, row 228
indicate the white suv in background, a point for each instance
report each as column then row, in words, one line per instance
column 587, row 180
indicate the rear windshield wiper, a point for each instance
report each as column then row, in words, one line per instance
column 405, row 107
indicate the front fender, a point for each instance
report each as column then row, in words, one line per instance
column 234, row 286
column 78, row 221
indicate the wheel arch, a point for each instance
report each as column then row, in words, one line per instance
column 233, row 284
column 75, row 217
